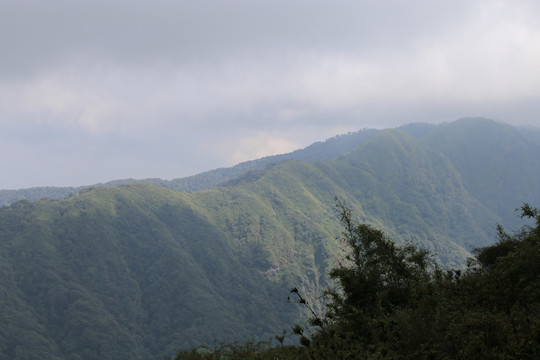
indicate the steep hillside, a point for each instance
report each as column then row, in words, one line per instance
column 415, row 193
column 132, row 273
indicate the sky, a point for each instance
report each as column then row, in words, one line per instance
column 93, row 91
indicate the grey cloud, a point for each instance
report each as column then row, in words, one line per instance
column 169, row 88
column 37, row 34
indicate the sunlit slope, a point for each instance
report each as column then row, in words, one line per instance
column 392, row 181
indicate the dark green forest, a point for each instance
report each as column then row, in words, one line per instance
column 138, row 269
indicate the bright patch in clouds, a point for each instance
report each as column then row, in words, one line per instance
column 255, row 146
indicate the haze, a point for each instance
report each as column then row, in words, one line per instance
column 101, row 90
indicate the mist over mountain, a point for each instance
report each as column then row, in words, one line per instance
column 136, row 268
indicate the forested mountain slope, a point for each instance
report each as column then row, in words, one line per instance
column 128, row 273
column 414, row 192
column 135, row 271
column 498, row 165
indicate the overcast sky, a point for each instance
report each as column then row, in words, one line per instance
column 92, row 91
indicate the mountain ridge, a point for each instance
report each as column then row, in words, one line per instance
column 137, row 270
column 317, row 151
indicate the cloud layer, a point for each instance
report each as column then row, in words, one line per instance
column 95, row 91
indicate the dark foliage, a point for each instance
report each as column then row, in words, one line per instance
column 391, row 302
